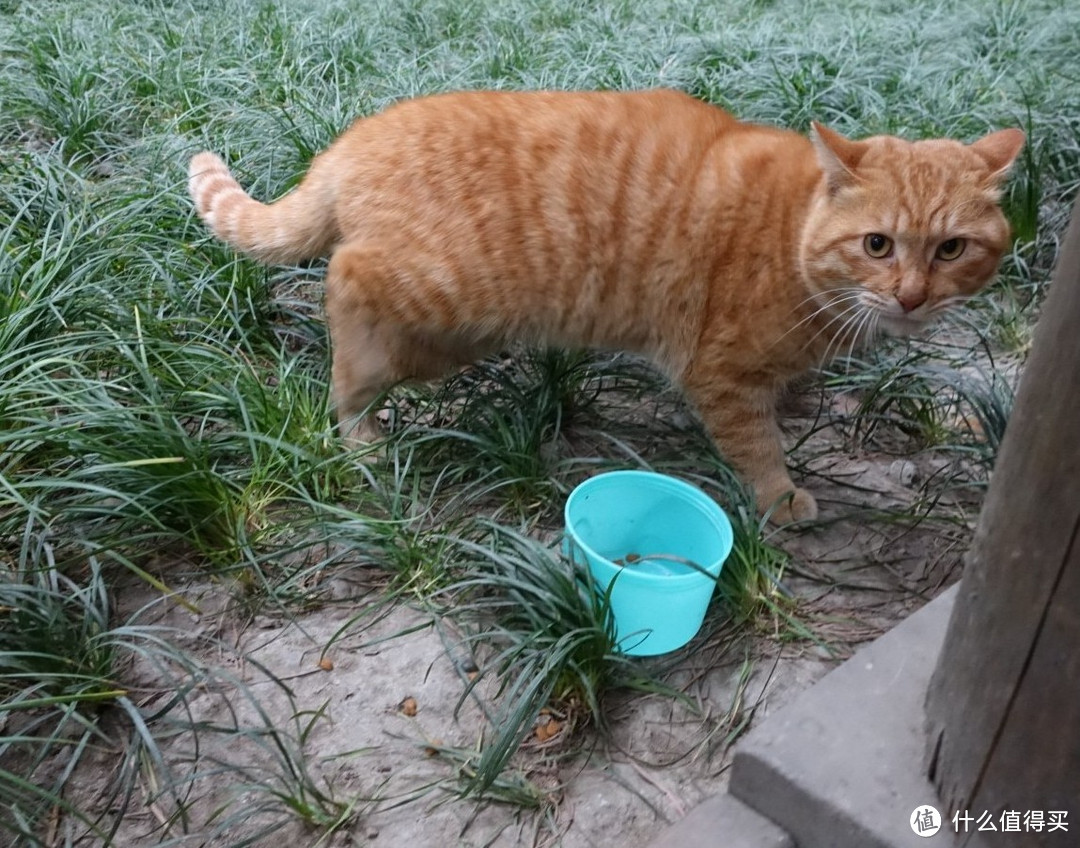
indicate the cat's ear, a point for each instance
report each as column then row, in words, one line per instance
column 838, row 156
column 999, row 150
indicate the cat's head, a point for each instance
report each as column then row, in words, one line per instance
column 901, row 231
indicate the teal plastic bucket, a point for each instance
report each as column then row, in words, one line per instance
column 670, row 540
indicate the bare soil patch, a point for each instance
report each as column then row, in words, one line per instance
column 375, row 697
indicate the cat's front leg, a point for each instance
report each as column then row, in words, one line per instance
column 742, row 421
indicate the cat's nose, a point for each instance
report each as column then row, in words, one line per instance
column 911, row 300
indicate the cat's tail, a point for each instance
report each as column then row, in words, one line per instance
column 298, row 226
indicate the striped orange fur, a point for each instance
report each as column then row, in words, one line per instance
column 737, row 256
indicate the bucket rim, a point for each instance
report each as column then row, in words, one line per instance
column 692, row 494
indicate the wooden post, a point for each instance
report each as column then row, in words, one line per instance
column 1003, row 708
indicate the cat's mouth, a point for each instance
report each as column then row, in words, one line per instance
column 893, row 320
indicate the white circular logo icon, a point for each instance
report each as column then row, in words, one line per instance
column 925, row 820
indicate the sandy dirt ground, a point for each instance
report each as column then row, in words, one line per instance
column 375, row 699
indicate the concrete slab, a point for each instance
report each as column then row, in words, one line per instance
column 723, row 820
column 842, row 765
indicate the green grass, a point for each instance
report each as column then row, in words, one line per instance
column 163, row 403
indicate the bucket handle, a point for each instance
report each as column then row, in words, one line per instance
column 668, row 558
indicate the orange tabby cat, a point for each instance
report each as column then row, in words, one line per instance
column 735, row 256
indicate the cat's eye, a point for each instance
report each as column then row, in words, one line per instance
column 877, row 246
column 951, row 249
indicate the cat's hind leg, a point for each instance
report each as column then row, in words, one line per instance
column 362, row 368
column 375, row 307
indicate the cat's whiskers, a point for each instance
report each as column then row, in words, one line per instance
column 855, row 317
column 818, row 295
column 834, row 297
column 860, row 329
column 840, row 296
column 875, row 330
column 837, row 296
column 847, row 315
column 869, row 322
column 836, row 338
column 855, row 301
column 869, row 331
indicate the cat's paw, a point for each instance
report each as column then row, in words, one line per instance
column 365, row 438
column 798, row 505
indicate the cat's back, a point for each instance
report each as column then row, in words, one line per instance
column 523, row 167
column 426, row 125
column 479, row 147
